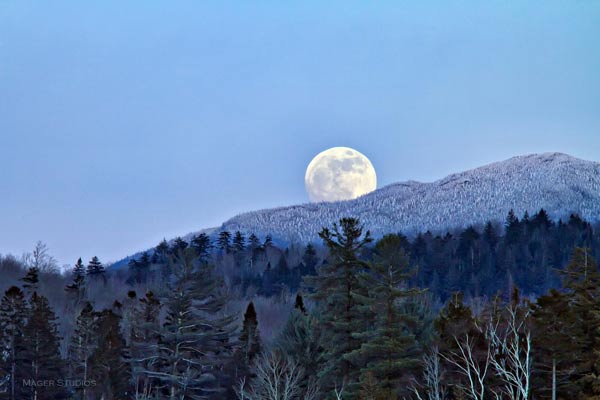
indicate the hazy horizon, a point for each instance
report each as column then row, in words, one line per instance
column 121, row 124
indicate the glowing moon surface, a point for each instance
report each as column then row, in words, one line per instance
column 339, row 173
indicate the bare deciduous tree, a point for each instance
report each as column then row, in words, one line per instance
column 433, row 389
column 277, row 378
column 41, row 259
column 512, row 348
column 339, row 391
column 474, row 368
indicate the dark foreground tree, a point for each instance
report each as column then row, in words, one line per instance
column 80, row 349
column 338, row 289
column 13, row 311
column 389, row 351
column 193, row 344
column 109, row 364
column 77, row 286
column 249, row 344
column 40, row 355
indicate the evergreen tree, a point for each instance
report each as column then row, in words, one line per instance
column 193, row 345
column 513, row 228
column 282, row 273
column 13, row 312
column 202, row 245
column 81, row 347
column 389, row 350
column 139, row 269
column 301, row 340
column 239, row 242
column 95, row 268
column 541, row 220
column 268, row 241
column 178, row 245
column 582, row 281
column 337, row 288
column 554, row 347
column 249, row 344
column 224, row 242
column 145, row 260
column 77, row 285
column 40, row 356
column 253, row 242
column 109, row 365
column 299, row 304
column 145, row 333
column 455, row 322
column 31, row 280
column 161, row 252
column 309, row 260
column 489, row 235
column 468, row 249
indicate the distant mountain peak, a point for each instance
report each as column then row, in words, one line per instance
column 560, row 183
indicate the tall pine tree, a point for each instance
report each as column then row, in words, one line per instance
column 582, row 281
column 77, row 287
column 193, row 344
column 81, row 347
column 13, row 312
column 249, row 344
column 40, row 358
column 389, row 350
column 109, row 363
column 337, row 289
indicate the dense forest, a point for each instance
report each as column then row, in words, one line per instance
column 500, row 311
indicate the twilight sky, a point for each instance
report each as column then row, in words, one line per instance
column 125, row 122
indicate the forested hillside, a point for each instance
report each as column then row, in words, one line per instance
column 559, row 183
column 506, row 311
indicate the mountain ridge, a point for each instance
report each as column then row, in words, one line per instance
column 560, row 183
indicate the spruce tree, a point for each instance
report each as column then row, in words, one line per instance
column 13, row 312
column 249, row 344
column 109, row 363
column 95, row 268
column 389, row 350
column 77, row 285
column 268, row 241
column 301, row 340
column 309, row 260
column 193, row 344
column 145, row 260
column 31, row 280
column 337, row 290
column 178, row 245
column 202, row 245
column 554, row 347
column 454, row 322
column 513, row 228
column 282, row 273
column 299, row 304
column 40, row 358
column 145, row 333
column 139, row 269
column 582, row 281
column 224, row 242
column 161, row 252
column 81, row 347
column 239, row 242
column 253, row 242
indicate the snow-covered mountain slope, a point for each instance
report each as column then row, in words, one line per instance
column 557, row 182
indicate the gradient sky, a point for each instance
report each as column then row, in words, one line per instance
column 125, row 122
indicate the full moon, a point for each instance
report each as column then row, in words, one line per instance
column 339, row 173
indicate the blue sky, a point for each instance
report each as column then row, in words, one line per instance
column 125, row 122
